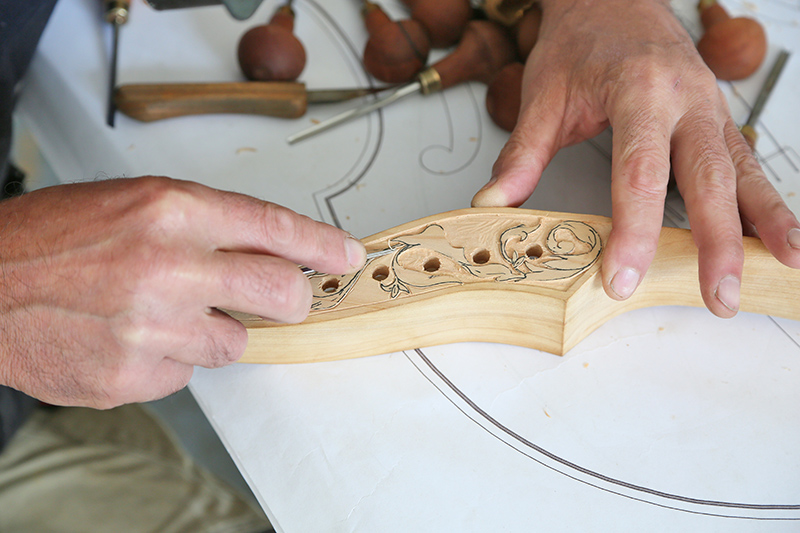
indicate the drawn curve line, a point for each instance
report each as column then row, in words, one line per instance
column 451, row 138
column 721, row 509
column 323, row 198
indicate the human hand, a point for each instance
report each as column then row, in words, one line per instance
column 109, row 291
column 631, row 65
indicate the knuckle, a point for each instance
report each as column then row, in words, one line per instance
column 295, row 298
column 285, row 230
column 715, row 199
column 714, row 163
column 279, row 225
column 715, row 183
column 645, row 177
column 519, row 150
column 647, row 73
column 770, row 206
column 280, row 291
column 226, row 347
column 179, row 380
column 164, row 204
column 745, row 162
column 117, row 384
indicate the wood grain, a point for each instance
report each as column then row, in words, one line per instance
column 512, row 276
column 157, row 101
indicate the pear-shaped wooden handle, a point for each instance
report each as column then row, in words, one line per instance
column 513, row 276
column 157, row 101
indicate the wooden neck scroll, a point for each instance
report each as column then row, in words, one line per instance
column 512, row 276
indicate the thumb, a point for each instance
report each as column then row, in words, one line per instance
column 529, row 149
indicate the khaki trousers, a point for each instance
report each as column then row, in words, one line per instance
column 83, row 470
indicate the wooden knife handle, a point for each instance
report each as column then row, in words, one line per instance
column 156, row 101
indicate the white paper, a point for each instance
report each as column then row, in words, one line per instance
column 664, row 419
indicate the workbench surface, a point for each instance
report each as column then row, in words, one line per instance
column 664, row 419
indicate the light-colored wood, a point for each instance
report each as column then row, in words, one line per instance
column 512, row 276
column 157, row 101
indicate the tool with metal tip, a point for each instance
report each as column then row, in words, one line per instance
column 749, row 127
column 733, row 48
column 504, row 96
column 157, row 101
column 370, row 256
column 506, row 12
column 482, row 52
column 239, row 9
column 272, row 52
column 444, row 20
column 116, row 13
column 396, row 50
column 526, row 31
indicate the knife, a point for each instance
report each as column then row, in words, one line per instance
column 156, row 101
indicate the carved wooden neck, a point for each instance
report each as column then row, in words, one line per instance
column 512, row 276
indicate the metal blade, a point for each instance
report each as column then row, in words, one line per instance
column 325, row 96
column 405, row 90
column 766, row 90
column 309, row 271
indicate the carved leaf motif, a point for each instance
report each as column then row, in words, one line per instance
column 430, row 259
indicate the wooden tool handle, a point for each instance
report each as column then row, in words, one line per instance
column 484, row 49
column 511, row 276
column 149, row 102
column 506, row 12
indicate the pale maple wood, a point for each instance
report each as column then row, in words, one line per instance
column 484, row 302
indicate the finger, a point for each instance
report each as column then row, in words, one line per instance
column 258, row 284
column 706, row 179
column 212, row 340
column 639, row 176
column 231, row 221
column 529, row 149
column 136, row 382
column 761, row 205
column 253, row 225
column 168, row 377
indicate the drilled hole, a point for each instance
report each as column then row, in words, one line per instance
column 432, row 264
column 481, row 257
column 330, row 285
column 380, row 273
column 534, row 252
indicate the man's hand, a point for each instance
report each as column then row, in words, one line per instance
column 109, row 291
column 630, row 64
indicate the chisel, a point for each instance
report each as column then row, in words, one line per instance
column 116, row 14
column 156, row 101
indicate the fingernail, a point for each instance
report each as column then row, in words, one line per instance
column 728, row 292
column 356, row 253
column 794, row 238
column 490, row 196
column 624, row 282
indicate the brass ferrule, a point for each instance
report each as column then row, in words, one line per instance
column 429, row 81
column 117, row 12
